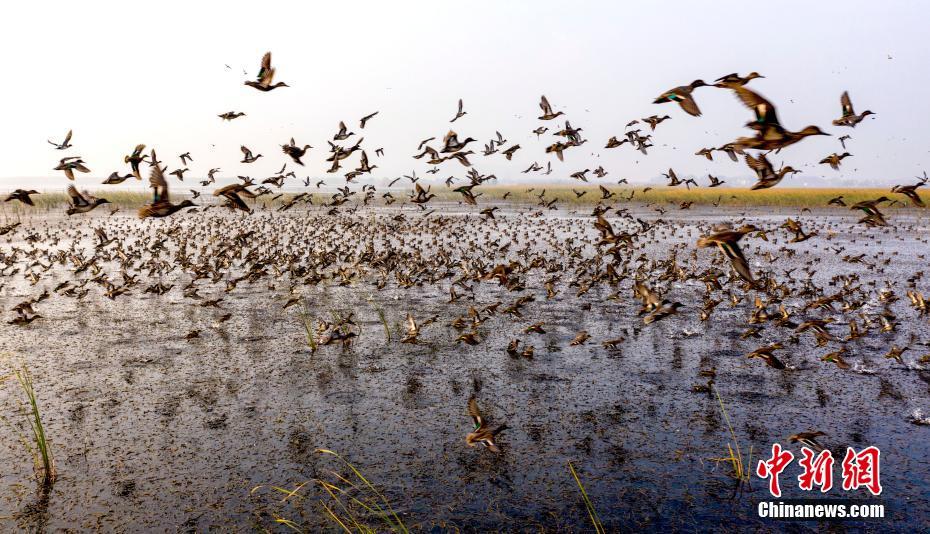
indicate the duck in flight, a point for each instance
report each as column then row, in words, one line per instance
column 728, row 243
column 682, row 95
column 265, row 76
column 849, row 117
column 482, row 434
column 64, row 144
column 82, row 203
column 161, row 205
column 71, row 164
column 770, row 133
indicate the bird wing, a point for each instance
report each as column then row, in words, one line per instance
column 266, row 73
column 76, row 198
column 138, row 150
column 460, row 105
column 847, row 104
column 246, row 151
column 158, row 184
column 732, row 250
column 544, row 104
column 475, row 413
column 765, row 111
column 67, row 138
column 689, row 105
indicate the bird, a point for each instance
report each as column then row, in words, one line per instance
column 294, row 151
column 342, row 134
column 655, row 120
column 233, row 194
column 265, row 76
column 482, row 433
column 459, row 114
column 364, row 120
column 71, row 164
column 82, row 203
column 135, row 159
column 115, row 178
column 547, row 115
column 910, row 191
column 770, row 133
column 767, row 354
column 247, row 155
column 22, row 195
column 64, row 145
column 230, row 115
column 161, row 205
column 809, row 439
column 849, row 117
column 734, row 79
column 765, row 173
column 833, row 160
column 682, row 95
column 728, row 242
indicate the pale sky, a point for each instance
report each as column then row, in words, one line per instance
column 155, row 74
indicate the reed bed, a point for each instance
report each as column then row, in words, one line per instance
column 725, row 196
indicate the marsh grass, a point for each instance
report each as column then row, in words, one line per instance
column 777, row 196
column 38, row 446
column 344, row 499
column 380, row 311
column 740, row 471
column 589, row 506
column 308, row 322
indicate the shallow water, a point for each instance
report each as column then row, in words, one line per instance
column 152, row 431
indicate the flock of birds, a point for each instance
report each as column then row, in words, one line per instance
column 408, row 251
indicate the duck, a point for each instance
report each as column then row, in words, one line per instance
column 233, row 194
column 547, row 115
column 364, row 120
column 734, row 79
column 115, row 178
column 682, row 95
column 849, row 117
column 343, row 132
column 22, row 195
column 460, row 113
column 910, row 191
column 770, row 133
column 451, row 142
column 230, row 115
column 767, row 354
column 64, row 145
column 294, row 151
column 483, row 434
column 833, row 160
column 809, row 439
column 161, row 205
column 728, row 242
column 247, row 155
column 655, row 120
column 766, row 175
column 71, row 164
column 873, row 216
column 82, row 203
column 265, row 76
column 135, row 159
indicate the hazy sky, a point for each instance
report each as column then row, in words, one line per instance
column 156, row 75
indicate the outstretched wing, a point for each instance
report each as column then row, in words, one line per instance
column 847, row 104
column 764, row 110
column 159, row 185
column 77, row 198
column 475, row 413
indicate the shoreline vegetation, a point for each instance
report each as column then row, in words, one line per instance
column 529, row 194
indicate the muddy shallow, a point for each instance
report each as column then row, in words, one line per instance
column 153, row 431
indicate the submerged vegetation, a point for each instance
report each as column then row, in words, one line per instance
column 347, row 501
